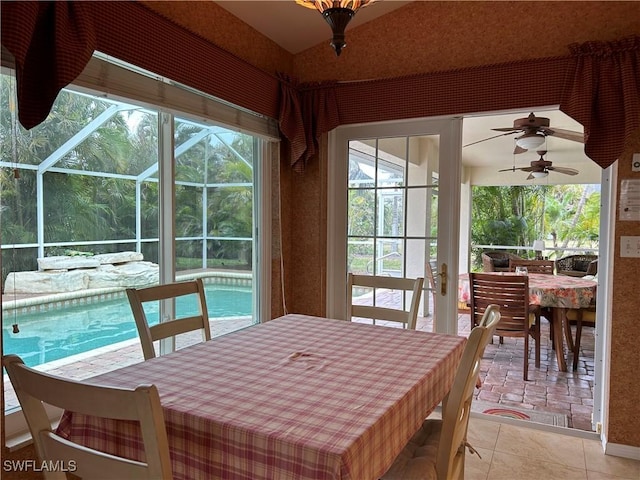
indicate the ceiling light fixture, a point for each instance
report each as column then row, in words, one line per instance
column 337, row 13
column 530, row 141
column 539, row 174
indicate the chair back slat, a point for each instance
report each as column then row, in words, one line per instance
column 511, row 293
column 141, row 405
column 406, row 314
column 457, row 408
column 533, row 266
column 419, row 459
column 149, row 334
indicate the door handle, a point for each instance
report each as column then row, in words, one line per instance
column 442, row 276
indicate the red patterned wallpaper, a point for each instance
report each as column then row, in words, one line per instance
column 217, row 25
column 430, row 36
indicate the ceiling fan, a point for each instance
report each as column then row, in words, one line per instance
column 540, row 168
column 533, row 132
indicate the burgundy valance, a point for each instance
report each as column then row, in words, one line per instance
column 598, row 84
column 53, row 41
column 503, row 86
column 602, row 92
column 306, row 112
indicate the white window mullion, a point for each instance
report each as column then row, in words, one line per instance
column 167, row 220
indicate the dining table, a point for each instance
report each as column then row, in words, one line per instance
column 557, row 292
column 297, row 397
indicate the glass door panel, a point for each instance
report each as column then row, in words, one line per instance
column 391, row 212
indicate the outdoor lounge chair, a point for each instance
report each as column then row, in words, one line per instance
column 497, row 261
column 577, row 265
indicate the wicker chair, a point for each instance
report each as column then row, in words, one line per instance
column 497, row 261
column 577, row 265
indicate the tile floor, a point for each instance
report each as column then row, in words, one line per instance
column 510, row 452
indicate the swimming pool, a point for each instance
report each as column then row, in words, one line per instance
column 60, row 333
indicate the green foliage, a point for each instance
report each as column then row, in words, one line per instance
column 562, row 215
column 214, row 181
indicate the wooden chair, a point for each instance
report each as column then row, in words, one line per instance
column 581, row 317
column 149, row 334
column 431, row 268
column 537, row 266
column 141, row 404
column 406, row 317
column 437, row 450
column 533, row 266
column 511, row 293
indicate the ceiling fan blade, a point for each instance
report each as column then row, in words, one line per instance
column 568, row 135
column 566, row 171
column 528, row 169
column 488, row 138
column 530, row 176
column 513, row 169
column 506, row 129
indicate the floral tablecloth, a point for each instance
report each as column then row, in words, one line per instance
column 560, row 291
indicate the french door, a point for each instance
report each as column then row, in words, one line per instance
column 393, row 207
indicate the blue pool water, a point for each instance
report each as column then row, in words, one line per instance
column 48, row 336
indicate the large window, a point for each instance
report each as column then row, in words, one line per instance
column 86, row 199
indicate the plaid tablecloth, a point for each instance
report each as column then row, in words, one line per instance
column 298, row 397
column 556, row 291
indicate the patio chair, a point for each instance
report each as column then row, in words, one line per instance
column 537, row 266
column 142, row 404
column 431, row 267
column 497, row 261
column 438, row 449
column 149, row 334
column 511, row 293
column 582, row 317
column 577, row 265
column 533, row 266
column 390, row 313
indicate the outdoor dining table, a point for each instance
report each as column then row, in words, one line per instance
column 298, row 397
column 558, row 292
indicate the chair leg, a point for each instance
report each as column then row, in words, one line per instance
column 576, row 345
column 525, row 371
column 537, row 346
column 567, row 332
